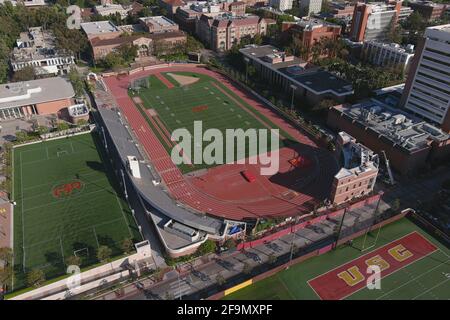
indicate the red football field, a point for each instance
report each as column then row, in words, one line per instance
column 345, row 280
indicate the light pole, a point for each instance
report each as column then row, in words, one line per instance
column 292, row 99
column 124, row 184
column 246, row 69
column 104, row 139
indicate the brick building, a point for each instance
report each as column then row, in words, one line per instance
column 222, row 31
column 408, row 142
column 42, row 96
column 310, row 31
column 428, row 9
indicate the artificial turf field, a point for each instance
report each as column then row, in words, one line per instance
column 206, row 100
column 67, row 203
column 424, row 278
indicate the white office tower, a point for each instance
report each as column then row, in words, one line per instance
column 281, row 5
column 310, row 7
column 427, row 89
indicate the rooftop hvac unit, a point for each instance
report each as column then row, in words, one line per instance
column 386, row 115
column 375, row 109
column 399, row 118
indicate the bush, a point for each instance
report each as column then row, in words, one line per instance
column 103, row 253
column 35, row 278
column 127, row 245
column 73, row 261
column 206, row 247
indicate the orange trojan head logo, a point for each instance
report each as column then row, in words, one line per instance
column 66, row 189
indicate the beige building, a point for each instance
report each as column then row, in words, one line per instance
column 222, row 31
column 359, row 172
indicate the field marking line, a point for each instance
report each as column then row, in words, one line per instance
column 53, row 182
column 42, row 160
column 286, row 287
column 413, row 279
column 71, row 146
column 386, row 276
column 64, row 200
column 95, row 235
column 123, row 215
column 46, row 151
column 47, row 192
column 21, row 208
column 69, row 234
column 62, row 250
column 433, row 287
column 359, row 257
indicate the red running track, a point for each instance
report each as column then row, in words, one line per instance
column 222, row 191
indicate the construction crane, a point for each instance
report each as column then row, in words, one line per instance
column 388, row 168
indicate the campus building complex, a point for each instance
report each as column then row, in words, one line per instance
column 428, row 9
column 359, row 172
column 409, row 142
column 309, row 31
column 374, row 21
column 224, row 30
column 37, row 49
column 43, row 96
column 427, row 89
column 309, row 83
column 388, row 55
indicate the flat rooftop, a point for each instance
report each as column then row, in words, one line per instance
column 401, row 128
column 24, row 93
column 98, row 27
column 297, row 70
column 160, row 21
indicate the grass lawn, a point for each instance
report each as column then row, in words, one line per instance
column 425, row 278
column 206, row 100
column 67, row 202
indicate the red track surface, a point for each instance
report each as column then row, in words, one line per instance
column 164, row 80
column 222, row 191
column 331, row 287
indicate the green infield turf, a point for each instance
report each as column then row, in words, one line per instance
column 425, row 278
column 67, row 203
column 206, row 100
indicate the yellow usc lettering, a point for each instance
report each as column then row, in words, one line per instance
column 351, row 276
column 400, row 253
column 378, row 261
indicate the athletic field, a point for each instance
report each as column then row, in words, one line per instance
column 67, row 203
column 168, row 105
column 413, row 266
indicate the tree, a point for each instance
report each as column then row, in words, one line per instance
column 21, row 136
column 6, row 268
column 206, row 247
column 73, row 261
column 220, row 279
column 272, row 258
column 62, row 126
column 24, row 74
column 127, row 245
column 35, row 278
column 42, row 130
column 230, row 243
column 76, row 81
column 246, row 269
column 103, row 253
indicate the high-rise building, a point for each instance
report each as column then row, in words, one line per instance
column 281, row 5
column 427, row 89
column 310, row 6
column 374, row 21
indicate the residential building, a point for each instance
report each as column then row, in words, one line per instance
column 26, row 3
column 359, row 170
column 237, row 7
column 281, row 5
column 106, row 10
column 309, row 31
column 309, row 7
column 158, row 24
column 408, row 142
column 427, row 88
column 224, row 30
column 428, row 9
column 341, row 10
column 295, row 76
column 37, row 48
column 42, row 96
column 374, row 21
column 388, row 55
